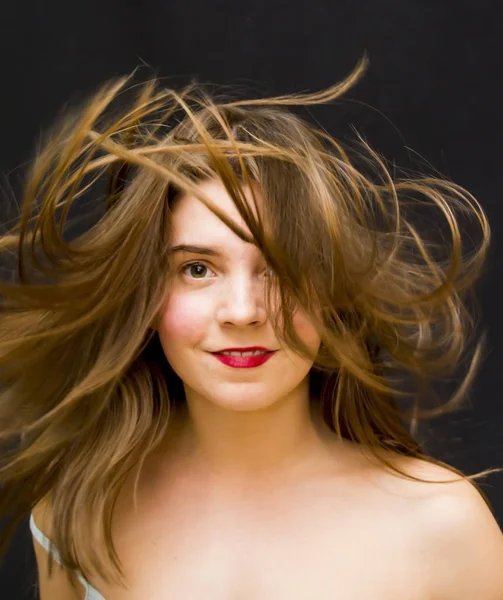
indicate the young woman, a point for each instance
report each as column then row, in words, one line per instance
column 202, row 393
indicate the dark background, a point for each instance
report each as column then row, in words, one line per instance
column 431, row 94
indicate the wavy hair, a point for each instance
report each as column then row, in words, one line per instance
column 86, row 392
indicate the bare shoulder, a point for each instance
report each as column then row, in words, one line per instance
column 456, row 532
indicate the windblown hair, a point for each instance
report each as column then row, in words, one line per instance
column 86, row 391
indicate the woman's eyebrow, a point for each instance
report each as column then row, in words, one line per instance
column 194, row 250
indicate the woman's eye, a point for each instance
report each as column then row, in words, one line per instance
column 198, row 270
column 195, row 270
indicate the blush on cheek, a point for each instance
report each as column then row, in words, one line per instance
column 181, row 323
column 305, row 329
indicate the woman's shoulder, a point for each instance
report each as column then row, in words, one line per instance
column 57, row 584
column 42, row 515
column 453, row 527
column 464, row 540
column 433, row 496
column 431, row 486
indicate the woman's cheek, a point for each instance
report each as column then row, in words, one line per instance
column 181, row 322
column 305, row 330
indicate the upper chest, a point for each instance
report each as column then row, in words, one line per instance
column 317, row 541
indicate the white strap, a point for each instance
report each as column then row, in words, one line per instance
column 46, row 543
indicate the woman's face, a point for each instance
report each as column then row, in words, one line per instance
column 216, row 301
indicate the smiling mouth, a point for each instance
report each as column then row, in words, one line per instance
column 243, row 360
column 246, row 353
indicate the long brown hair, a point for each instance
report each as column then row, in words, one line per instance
column 86, row 390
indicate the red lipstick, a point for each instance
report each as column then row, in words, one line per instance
column 248, row 361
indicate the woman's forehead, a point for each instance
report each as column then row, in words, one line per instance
column 190, row 217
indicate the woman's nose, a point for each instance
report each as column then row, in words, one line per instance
column 242, row 302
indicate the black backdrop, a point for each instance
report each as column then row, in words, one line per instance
column 432, row 86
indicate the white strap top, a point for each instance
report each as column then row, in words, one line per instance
column 91, row 593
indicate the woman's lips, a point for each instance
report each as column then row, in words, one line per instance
column 243, row 362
